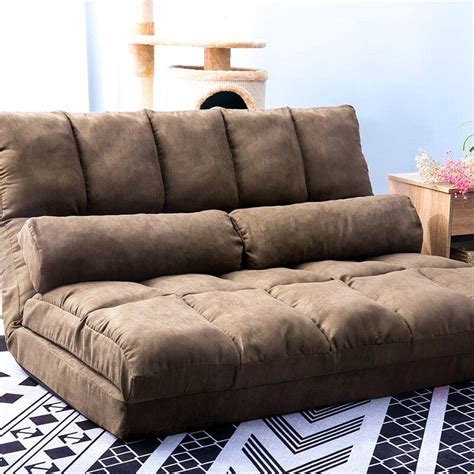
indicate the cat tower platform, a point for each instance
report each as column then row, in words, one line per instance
column 215, row 83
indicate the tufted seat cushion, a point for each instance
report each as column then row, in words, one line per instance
column 259, row 326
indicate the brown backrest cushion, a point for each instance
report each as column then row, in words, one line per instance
column 195, row 160
column 116, row 163
column 60, row 251
column 120, row 162
column 39, row 166
column 337, row 230
column 267, row 158
column 330, row 143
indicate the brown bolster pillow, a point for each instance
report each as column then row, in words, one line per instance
column 64, row 250
column 344, row 229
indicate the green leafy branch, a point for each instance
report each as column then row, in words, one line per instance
column 468, row 139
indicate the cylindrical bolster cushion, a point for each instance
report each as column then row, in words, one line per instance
column 64, row 250
column 341, row 230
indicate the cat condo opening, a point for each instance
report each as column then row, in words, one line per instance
column 215, row 84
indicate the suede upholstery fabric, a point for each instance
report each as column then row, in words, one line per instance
column 266, row 279
column 150, row 324
column 417, row 260
column 440, row 320
column 54, row 158
column 267, row 158
column 68, row 164
column 60, row 251
column 39, row 166
column 263, row 329
column 196, row 160
column 68, row 376
column 17, row 288
column 330, row 144
column 190, row 283
column 149, row 349
column 260, row 326
column 120, row 162
column 347, row 318
column 345, row 270
column 343, row 229
column 457, row 279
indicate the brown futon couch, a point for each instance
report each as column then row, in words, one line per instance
column 163, row 271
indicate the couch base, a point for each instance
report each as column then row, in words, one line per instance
column 100, row 401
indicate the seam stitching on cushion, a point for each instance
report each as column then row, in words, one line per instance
column 72, row 355
column 159, row 162
column 2, row 197
column 305, row 317
column 325, row 375
column 305, row 170
column 84, row 322
column 419, row 270
column 232, row 157
column 415, row 270
column 286, row 381
column 243, row 254
column 375, row 301
column 246, row 244
column 295, row 356
column 217, row 327
column 75, row 313
column 190, row 293
column 5, row 225
column 255, row 386
column 114, row 342
column 284, row 358
column 359, row 141
column 29, row 224
column 80, row 159
column 2, row 178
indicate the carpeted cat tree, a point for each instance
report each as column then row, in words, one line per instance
column 215, row 83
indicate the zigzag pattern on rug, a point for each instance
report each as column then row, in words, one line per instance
column 426, row 430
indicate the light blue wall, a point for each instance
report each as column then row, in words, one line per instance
column 407, row 67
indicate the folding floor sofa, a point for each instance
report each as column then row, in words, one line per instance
column 164, row 271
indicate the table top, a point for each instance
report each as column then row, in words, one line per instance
column 210, row 43
column 414, row 179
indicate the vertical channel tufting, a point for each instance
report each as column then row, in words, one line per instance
column 73, row 133
column 119, row 160
column 232, row 155
column 158, row 161
column 267, row 157
column 195, row 160
column 329, row 141
column 40, row 174
column 305, row 168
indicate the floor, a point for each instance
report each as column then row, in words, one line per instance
column 427, row 430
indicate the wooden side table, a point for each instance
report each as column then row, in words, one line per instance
column 442, row 215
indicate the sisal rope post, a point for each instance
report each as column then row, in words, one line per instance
column 217, row 59
column 144, row 54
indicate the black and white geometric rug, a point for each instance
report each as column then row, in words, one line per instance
column 426, row 431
